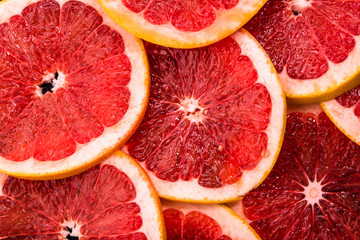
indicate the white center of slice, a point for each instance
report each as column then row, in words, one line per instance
column 313, row 192
column 70, row 229
column 193, row 111
column 57, row 81
column 297, row 6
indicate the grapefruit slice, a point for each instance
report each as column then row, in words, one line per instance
column 313, row 191
column 73, row 87
column 114, row 200
column 215, row 120
column 314, row 45
column 181, row 23
column 344, row 112
column 211, row 222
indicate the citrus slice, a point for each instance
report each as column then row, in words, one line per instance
column 215, row 120
column 114, row 200
column 313, row 191
column 314, row 45
column 181, row 23
column 73, row 87
column 211, row 222
column 344, row 112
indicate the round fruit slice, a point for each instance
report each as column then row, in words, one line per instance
column 73, row 87
column 313, row 192
column 344, row 112
column 212, row 222
column 114, row 200
column 181, row 23
column 314, row 45
column 215, row 120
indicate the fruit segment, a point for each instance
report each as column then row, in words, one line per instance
column 69, row 48
column 313, row 45
column 313, row 190
column 114, row 199
column 208, row 117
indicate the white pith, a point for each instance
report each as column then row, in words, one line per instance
column 299, row 5
column 193, row 111
column 57, row 83
column 231, row 224
column 234, row 19
column 337, row 76
column 146, row 198
column 75, row 227
column 191, row 191
column 313, row 192
column 344, row 118
column 88, row 153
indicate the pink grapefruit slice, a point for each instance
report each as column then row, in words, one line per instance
column 313, row 191
column 215, row 120
column 211, row 222
column 314, row 45
column 114, row 200
column 73, row 87
column 181, row 23
column 344, row 112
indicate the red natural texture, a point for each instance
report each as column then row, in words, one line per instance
column 305, row 41
column 351, row 99
column 236, row 111
column 99, row 200
column 72, row 40
column 193, row 225
column 185, row 15
column 313, row 150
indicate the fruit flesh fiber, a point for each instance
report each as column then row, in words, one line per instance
column 314, row 150
column 220, row 133
column 184, row 15
column 44, row 39
column 322, row 31
column 100, row 201
column 193, row 225
column 351, row 100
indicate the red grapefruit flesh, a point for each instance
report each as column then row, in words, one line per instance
column 212, row 222
column 114, row 200
column 344, row 112
column 214, row 123
column 314, row 46
column 73, row 86
column 313, row 191
column 181, row 23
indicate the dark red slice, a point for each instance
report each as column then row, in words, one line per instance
column 63, row 79
column 322, row 31
column 192, row 225
column 351, row 99
column 184, row 15
column 98, row 204
column 206, row 116
column 313, row 192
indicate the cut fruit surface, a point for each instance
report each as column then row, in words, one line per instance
column 215, row 120
column 314, row 45
column 182, row 23
column 344, row 112
column 212, row 222
column 73, row 87
column 313, row 191
column 114, row 200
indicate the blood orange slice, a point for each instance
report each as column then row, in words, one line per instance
column 181, row 23
column 313, row 191
column 73, row 87
column 344, row 112
column 215, row 120
column 212, row 222
column 114, row 200
column 314, row 45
